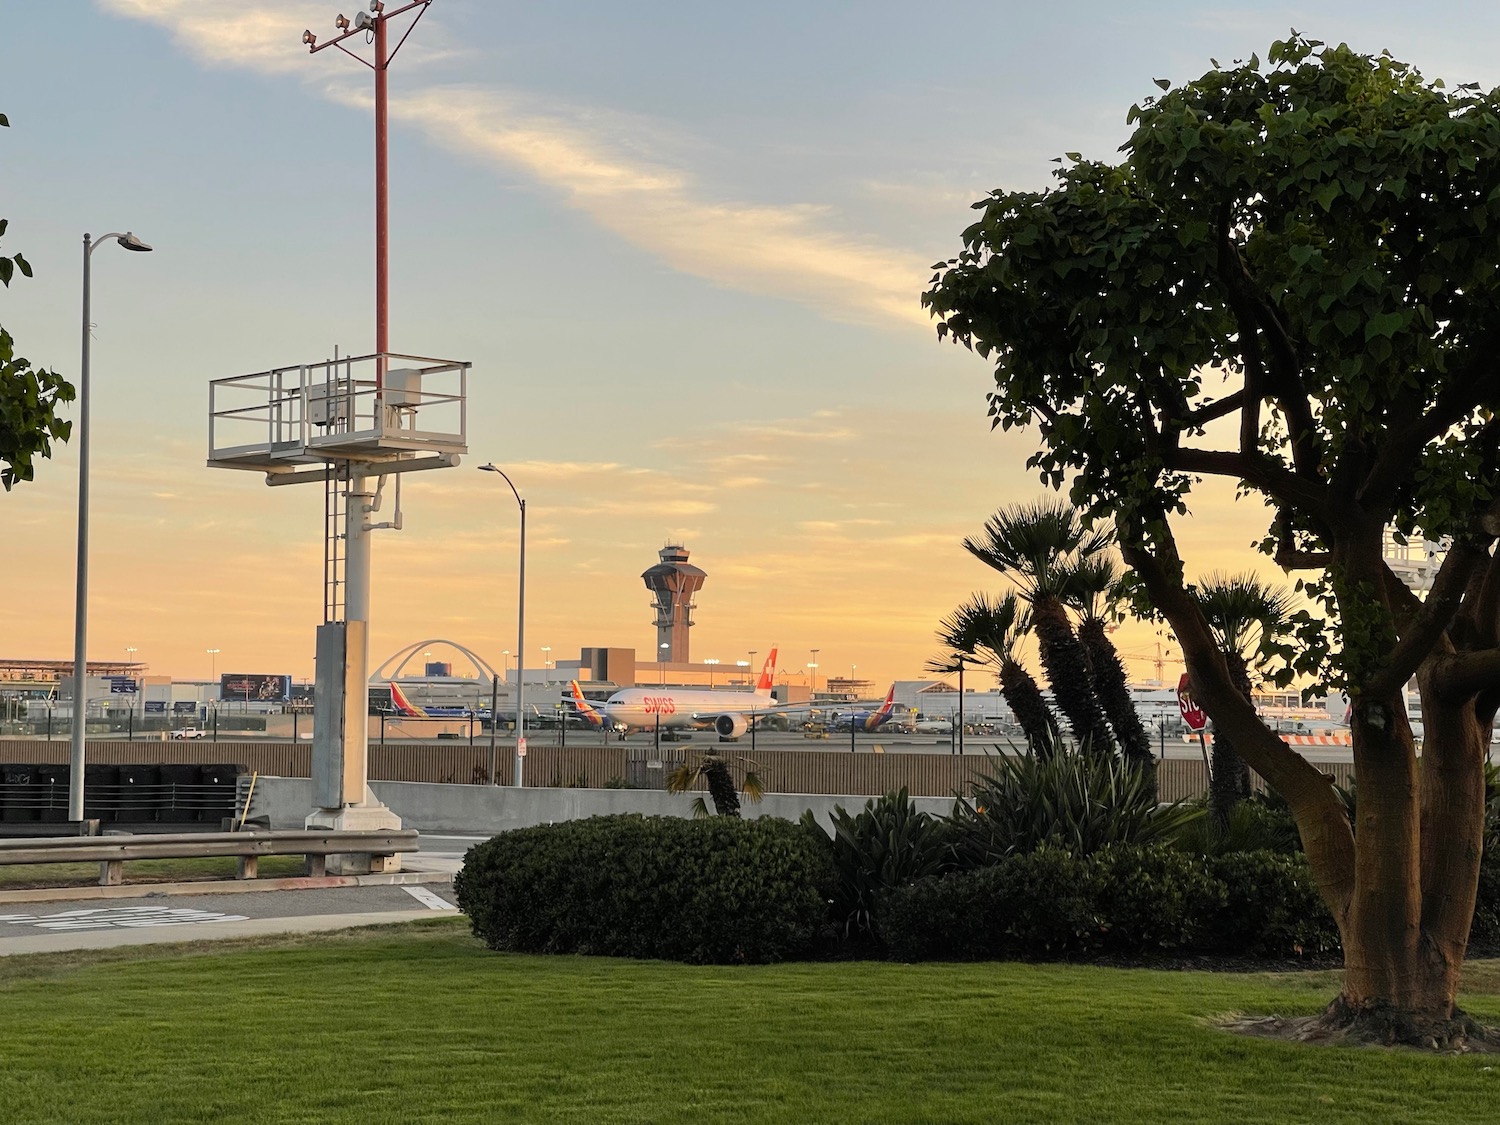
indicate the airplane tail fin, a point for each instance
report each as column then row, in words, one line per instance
column 767, row 674
column 880, row 716
column 405, row 706
column 583, row 706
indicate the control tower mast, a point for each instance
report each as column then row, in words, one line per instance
column 673, row 583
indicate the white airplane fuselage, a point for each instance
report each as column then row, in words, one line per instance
column 685, row 708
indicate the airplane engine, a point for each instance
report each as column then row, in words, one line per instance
column 731, row 726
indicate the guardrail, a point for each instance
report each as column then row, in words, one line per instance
column 111, row 852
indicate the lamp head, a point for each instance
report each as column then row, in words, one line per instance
column 131, row 242
column 309, row 38
column 342, row 23
column 363, row 21
column 488, row 467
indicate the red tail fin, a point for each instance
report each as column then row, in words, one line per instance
column 767, row 674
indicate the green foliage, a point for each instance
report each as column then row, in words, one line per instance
column 1259, row 824
column 1153, row 899
column 1034, row 906
column 889, row 844
column 714, row 771
column 722, row 890
column 1074, row 801
column 29, row 396
column 1126, row 900
column 1271, row 909
column 1304, row 248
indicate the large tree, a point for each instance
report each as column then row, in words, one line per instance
column 29, row 396
column 1289, row 281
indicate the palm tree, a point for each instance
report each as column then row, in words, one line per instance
column 1034, row 545
column 714, row 770
column 1092, row 589
column 990, row 630
column 1246, row 616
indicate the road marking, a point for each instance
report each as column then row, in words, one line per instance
column 118, row 917
column 428, row 899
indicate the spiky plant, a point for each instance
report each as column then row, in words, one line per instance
column 1092, row 588
column 714, row 769
column 1033, row 545
column 989, row 629
column 1248, row 617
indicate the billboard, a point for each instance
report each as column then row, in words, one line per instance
column 156, row 706
column 254, row 688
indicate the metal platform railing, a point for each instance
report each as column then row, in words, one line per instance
column 379, row 407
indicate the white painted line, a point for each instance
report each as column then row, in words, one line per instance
column 428, row 899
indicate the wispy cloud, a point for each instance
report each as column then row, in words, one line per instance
column 785, row 251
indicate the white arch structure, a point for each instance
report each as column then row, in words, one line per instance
column 404, row 656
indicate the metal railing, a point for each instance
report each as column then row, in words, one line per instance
column 359, row 406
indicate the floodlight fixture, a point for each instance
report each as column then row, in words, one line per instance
column 342, row 22
column 309, row 38
column 363, row 21
column 131, row 242
column 377, row 6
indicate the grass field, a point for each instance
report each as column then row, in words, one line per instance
column 142, row 871
column 421, row 1024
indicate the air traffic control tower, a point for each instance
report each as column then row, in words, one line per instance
column 673, row 582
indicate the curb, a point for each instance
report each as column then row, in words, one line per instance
column 223, row 887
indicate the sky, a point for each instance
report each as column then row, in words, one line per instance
column 682, row 246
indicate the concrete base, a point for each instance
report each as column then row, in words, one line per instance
column 357, row 818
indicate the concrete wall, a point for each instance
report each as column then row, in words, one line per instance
column 477, row 810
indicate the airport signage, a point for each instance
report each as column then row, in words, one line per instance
column 122, row 685
column 255, row 688
column 184, row 707
column 1192, row 714
column 156, row 706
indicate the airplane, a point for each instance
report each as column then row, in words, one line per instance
column 402, row 705
column 729, row 713
column 933, row 726
column 868, row 720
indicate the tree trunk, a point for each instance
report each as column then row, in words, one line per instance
column 1113, row 690
column 1025, row 701
column 1068, row 675
column 1407, row 924
column 1229, row 777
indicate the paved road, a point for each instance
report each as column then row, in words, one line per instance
column 162, row 917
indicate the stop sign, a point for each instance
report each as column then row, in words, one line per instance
column 1192, row 714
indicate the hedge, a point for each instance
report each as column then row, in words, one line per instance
column 721, row 890
column 1128, row 900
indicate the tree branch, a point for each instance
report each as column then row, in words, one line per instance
column 1430, row 622
column 1462, row 674
column 1326, row 833
column 1308, row 497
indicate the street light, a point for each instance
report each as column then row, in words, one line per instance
column 742, row 665
column 505, row 663
column 814, row 666
column 520, row 758
column 81, row 600
column 546, row 662
column 213, row 664
column 661, row 661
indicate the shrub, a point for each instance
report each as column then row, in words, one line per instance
column 889, row 844
column 1253, row 825
column 1272, row 907
column 1152, row 899
column 722, row 890
column 1081, row 803
column 1035, row 905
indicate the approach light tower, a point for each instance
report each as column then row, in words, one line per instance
column 350, row 424
column 673, row 583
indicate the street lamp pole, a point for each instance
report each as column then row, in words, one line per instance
column 81, row 593
column 520, row 756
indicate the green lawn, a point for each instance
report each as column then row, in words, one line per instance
column 142, row 871
column 420, row 1024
